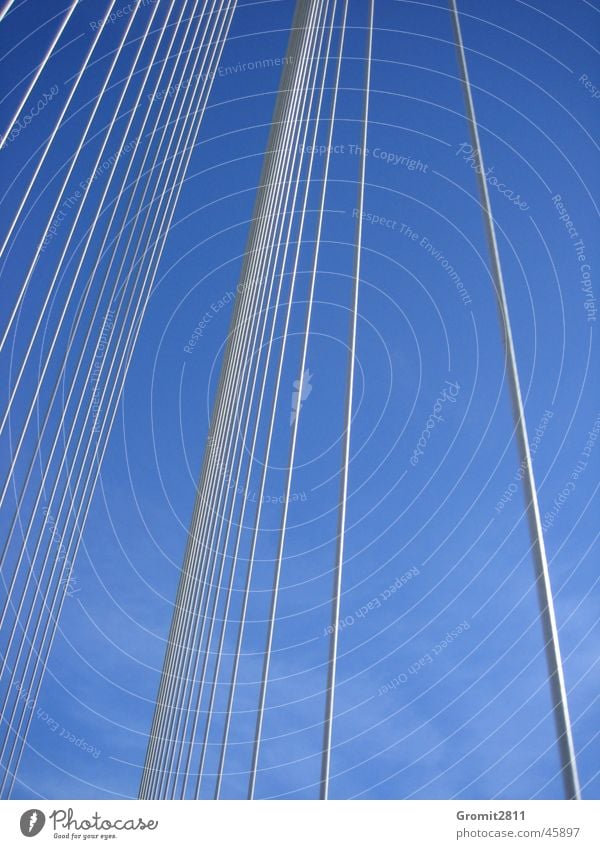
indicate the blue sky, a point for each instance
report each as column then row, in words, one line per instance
column 442, row 687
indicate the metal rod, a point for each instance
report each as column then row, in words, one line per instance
column 542, row 574
column 339, row 558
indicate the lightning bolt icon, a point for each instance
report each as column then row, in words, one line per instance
column 32, row 821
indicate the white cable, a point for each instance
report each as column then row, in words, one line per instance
column 132, row 325
column 65, row 404
column 52, row 136
column 286, row 500
column 265, row 464
column 108, row 381
column 133, row 333
column 256, row 430
column 73, row 286
column 4, row 10
column 157, row 717
column 104, row 362
column 341, row 532
column 163, row 715
column 247, row 298
column 91, row 231
column 252, row 273
column 558, row 688
column 256, row 418
column 39, row 71
column 80, row 207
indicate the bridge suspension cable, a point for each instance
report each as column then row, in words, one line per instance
column 542, row 572
column 37, row 588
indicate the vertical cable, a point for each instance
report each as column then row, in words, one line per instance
column 279, row 147
column 261, row 219
column 547, row 614
column 265, row 370
column 257, row 519
column 339, row 558
column 285, row 508
column 270, row 274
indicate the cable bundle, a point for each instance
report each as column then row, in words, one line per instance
column 185, row 711
column 89, row 313
column 86, row 289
